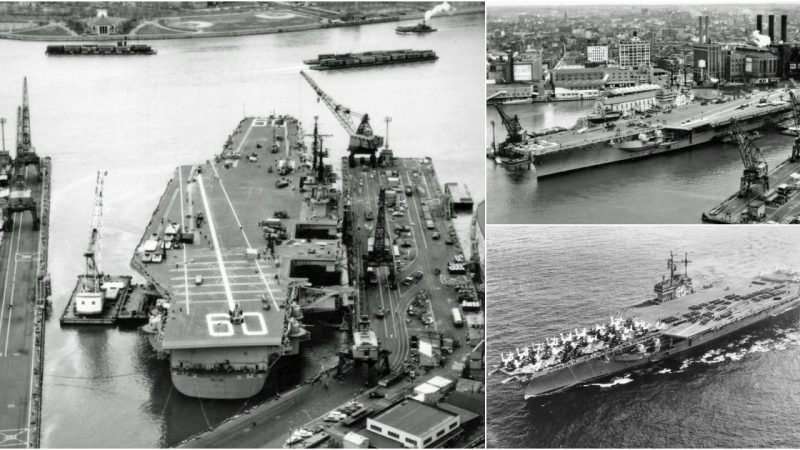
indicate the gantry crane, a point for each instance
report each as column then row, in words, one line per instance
column 755, row 167
column 363, row 345
column 796, row 148
column 26, row 154
column 362, row 139
column 20, row 198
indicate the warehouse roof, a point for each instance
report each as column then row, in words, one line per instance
column 414, row 417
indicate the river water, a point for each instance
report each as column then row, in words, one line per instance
column 740, row 391
column 140, row 117
column 672, row 188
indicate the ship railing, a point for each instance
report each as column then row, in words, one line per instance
column 595, row 355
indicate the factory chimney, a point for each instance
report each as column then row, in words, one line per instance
column 772, row 27
column 700, row 34
column 760, row 24
column 784, row 25
column 707, row 37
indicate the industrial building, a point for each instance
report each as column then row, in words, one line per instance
column 413, row 424
column 634, row 53
column 597, row 53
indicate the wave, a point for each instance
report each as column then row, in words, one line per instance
column 625, row 379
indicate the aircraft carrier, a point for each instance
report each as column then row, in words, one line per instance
column 24, row 213
column 679, row 319
column 669, row 130
column 237, row 247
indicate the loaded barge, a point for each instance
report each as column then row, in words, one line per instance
column 121, row 48
column 374, row 58
column 679, row 319
column 669, row 130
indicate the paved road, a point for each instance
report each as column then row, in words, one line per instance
column 18, row 272
column 275, row 420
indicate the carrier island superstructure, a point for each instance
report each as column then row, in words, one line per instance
column 678, row 319
column 667, row 129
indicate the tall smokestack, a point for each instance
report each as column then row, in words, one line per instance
column 772, row 27
column 700, row 34
column 708, row 38
column 784, row 31
column 760, row 24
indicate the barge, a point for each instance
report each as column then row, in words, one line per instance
column 374, row 58
column 121, row 48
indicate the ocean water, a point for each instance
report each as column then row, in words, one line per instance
column 140, row 117
column 740, row 391
column 671, row 188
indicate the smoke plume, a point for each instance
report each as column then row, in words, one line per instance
column 444, row 7
column 759, row 39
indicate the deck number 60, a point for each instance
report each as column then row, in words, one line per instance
column 219, row 324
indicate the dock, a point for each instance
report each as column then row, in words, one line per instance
column 131, row 307
column 780, row 204
column 24, row 242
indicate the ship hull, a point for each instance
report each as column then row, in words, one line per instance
column 218, row 385
column 605, row 152
column 598, row 368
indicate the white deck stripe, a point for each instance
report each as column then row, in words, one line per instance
column 236, row 217
column 183, row 247
column 13, row 287
column 213, row 229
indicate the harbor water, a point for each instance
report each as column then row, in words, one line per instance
column 138, row 117
column 669, row 188
column 740, row 391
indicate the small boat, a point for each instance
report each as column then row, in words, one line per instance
column 519, row 101
column 421, row 27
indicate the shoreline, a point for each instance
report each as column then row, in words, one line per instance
column 217, row 34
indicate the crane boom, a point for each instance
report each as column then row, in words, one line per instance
column 92, row 272
column 755, row 166
column 512, row 125
column 796, row 147
column 362, row 139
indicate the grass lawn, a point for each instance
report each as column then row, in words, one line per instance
column 50, row 30
column 151, row 29
column 268, row 19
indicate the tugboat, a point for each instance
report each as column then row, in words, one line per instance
column 601, row 114
column 421, row 27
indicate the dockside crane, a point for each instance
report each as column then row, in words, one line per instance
column 26, row 154
column 755, row 166
column 363, row 141
column 796, row 147
column 20, row 198
column 89, row 295
column 91, row 272
column 514, row 131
